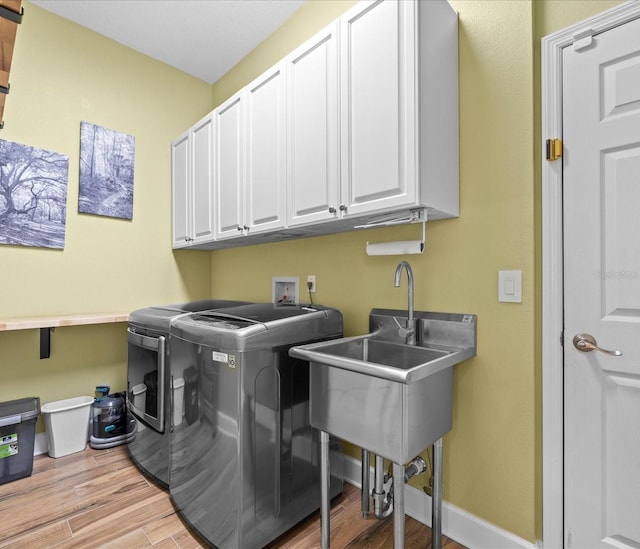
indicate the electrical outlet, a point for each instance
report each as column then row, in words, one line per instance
column 311, row 283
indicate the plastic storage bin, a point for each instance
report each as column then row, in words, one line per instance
column 67, row 425
column 17, row 436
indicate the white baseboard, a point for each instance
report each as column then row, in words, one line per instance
column 457, row 524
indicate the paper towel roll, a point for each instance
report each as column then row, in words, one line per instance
column 400, row 247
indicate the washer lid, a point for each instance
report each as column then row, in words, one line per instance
column 214, row 320
column 159, row 316
column 254, row 313
column 258, row 326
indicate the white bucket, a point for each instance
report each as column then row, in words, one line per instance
column 178, row 400
column 139, row 395
column 67, row 425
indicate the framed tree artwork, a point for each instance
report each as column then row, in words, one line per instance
column 33, row 196
column 106, row 172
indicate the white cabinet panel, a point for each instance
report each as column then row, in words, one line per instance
column 313, row 121
column 192, row 185
column 180, row 191
column 228, row 161
column 202, row 207
column 378, row 106
column 265, row 152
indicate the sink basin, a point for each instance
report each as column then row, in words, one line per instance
column 383, row 395
column 377, row 357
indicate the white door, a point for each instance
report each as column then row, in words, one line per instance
column 228, row 158
column 265, row 151
column 601, row 193
column 202, row 180
column 180, row 192
column 312, row 130
column 377, row 66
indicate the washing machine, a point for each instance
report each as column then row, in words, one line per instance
column 149, row 385
column 244, row 457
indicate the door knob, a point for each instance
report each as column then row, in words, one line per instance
column 587, row 343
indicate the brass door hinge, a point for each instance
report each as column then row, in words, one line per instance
column 554, row 149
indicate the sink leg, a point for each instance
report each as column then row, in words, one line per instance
column 325, row 479
column 378, row 490
column 436, row 502
column 364, row 504
column 398, row 506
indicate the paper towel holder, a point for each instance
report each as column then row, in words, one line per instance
column 400, row 247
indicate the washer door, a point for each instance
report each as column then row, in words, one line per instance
column 146, row 374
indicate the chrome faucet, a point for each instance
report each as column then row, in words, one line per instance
column 409, row 333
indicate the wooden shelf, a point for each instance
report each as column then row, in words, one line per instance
column 7, row 38
column 56, row 321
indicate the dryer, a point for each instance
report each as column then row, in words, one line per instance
column 244, row 458
column 148, row 382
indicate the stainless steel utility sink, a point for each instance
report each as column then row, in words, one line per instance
column 372, row 355
column 386, row 396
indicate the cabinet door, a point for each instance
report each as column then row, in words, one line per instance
column 202, row 203
column 313, row 130
column 180, row 191
column 265, row 151
column 228, row 171
column 378, row 102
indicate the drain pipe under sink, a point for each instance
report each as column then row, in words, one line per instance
column 383, row 501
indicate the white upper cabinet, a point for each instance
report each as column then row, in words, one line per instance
column 313, row 171
column 360, row 120
column 265, row 196
column 378, row 107
column 201, row 137
column 228, row 168
column 192, row 185
column 249, row 158
column 181, row 231
column 397, row 96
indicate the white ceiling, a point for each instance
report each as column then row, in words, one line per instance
column 204, row 38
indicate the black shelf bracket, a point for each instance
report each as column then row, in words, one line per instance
column 5, row 90
column 11, row 15
column 45, row 342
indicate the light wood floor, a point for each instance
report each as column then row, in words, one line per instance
column 98, row 498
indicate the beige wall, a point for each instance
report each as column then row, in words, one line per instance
column 492, row 455
column 63, row 74
column 489, row 454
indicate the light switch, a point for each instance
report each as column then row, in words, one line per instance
column 510, row 286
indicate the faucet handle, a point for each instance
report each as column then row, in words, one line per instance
column 406, row 332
